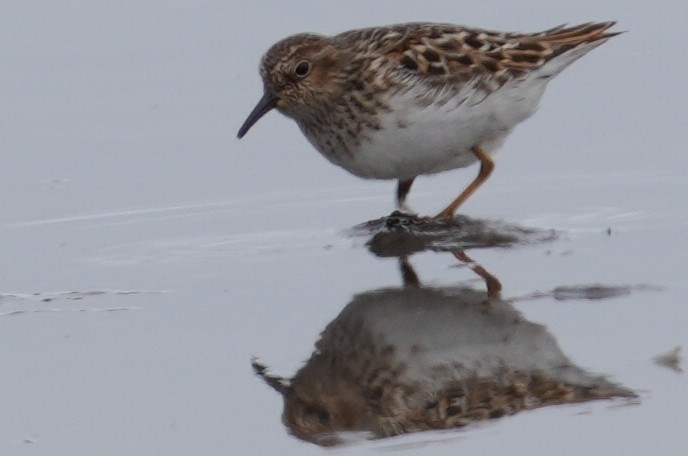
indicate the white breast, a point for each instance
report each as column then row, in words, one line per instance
column 446, row 334
column 417, row 140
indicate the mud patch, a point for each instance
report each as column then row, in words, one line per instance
column 403, row 234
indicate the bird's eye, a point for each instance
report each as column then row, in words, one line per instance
column 323, row 417
column 319, row 413
column 302, row 69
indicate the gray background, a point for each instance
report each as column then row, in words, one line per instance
column 146, row 254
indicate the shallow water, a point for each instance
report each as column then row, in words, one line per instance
column 147, row 256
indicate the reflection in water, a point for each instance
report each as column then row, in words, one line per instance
column 401, row 360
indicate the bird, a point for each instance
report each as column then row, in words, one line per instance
column 409, row 359
column 399, row 101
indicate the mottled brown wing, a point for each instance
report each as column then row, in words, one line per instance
column 447, row 54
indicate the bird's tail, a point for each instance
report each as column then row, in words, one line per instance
column 568, row 44
column 564, row 38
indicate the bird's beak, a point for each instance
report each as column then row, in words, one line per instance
column 265, row 104
column 279, row 384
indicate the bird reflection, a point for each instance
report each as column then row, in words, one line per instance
column 416, row 358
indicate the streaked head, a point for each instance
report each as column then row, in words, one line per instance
column 296, row 72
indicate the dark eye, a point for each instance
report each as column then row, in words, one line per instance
column 319, row 413
column 302, row 69
column 323, row 417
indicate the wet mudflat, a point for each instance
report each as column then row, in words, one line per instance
column 147, row 259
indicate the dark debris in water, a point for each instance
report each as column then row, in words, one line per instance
column 590, row 292
column 594, row 292
column 670, row 359
column 403, row 234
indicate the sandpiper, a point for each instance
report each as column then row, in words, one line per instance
column 399, row 101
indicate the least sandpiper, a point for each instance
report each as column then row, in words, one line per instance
column 402, row 360
column 399, row 101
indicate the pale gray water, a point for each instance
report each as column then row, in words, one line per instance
column 189, row 252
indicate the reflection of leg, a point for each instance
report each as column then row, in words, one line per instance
column 493, row 284
column 486, row 167
column 403, row 189
column 407, row 273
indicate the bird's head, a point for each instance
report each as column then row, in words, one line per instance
column 298, row 73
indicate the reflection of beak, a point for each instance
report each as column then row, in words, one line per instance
column 265, row 104
column 279, row 384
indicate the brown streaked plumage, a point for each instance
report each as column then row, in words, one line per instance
column 403, row 360
column 404, row 100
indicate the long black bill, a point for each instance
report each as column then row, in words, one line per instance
column 265, row 104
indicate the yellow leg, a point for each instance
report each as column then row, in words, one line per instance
column 494, row 287
column 486, row 167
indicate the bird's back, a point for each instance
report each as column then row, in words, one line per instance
column 447, row 54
